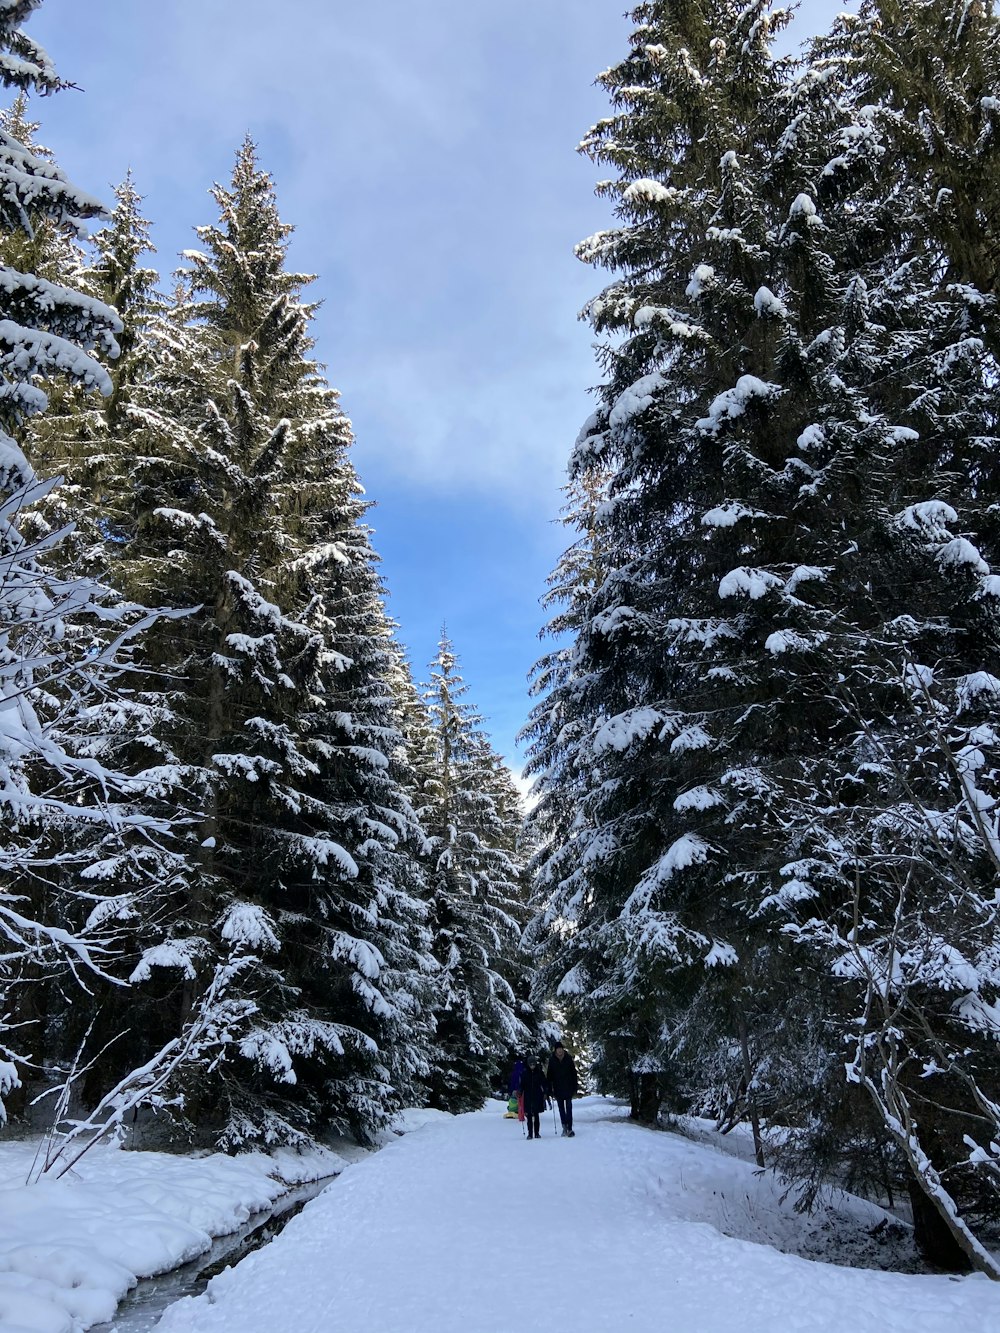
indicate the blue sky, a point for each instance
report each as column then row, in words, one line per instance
column 425, row 154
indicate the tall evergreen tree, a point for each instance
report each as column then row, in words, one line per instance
column 52, row 246
column 786, row 535
column 467, row 808
column 930, row 72
column 101, row 448
column 58, row 664
column 301, row 881
column 96, row 445
column 692, row 90
column 914, row 682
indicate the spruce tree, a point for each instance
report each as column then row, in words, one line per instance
column 468, row 811
column 96, row 445
column 930, row 72
column 104, row 450
column 64, row 640
column 690, row 101
column 301, row 884
column 786, row 532
column 913, row 680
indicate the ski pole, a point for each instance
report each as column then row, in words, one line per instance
column 553, row 1105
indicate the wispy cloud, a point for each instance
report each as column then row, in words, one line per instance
column 425, row 154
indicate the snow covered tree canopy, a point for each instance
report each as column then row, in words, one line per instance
column 744, row 811
column 469, row 809
column 223, row 839
column 45, row 329
column 24, row 63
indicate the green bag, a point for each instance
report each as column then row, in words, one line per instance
column 512, row 1103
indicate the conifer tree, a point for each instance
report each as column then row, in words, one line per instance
column 914, row 682
column 930, row 71
column 58, row 661
column 104, row 449
column 468, row 810
column 692, row 89
column 788, row 542
column 301, row 881
column 557, row 722
column 52, row 248
column 91, row 443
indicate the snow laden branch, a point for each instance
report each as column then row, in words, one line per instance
column 926, row 1039
column 202, row 1038
column 878, row 1067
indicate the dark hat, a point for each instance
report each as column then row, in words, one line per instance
column 559, row 1046
column 532, row 1059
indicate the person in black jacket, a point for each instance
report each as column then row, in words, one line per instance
column 563, row 1084
column 535, row 1090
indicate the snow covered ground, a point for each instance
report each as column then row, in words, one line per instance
column 462, row 1226
column 465, row 1227
column 71, row 1248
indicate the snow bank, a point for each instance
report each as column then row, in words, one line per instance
column 416, row 1117
column 70, row 1249
column 687, row 1237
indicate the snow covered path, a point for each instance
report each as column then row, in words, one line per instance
column 464, row 1227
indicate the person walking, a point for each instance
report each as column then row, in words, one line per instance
column 535, row 1091
column 514, row 1086
column 563, row 1083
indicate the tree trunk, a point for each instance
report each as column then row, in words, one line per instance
column 925, row 1180
column 645, row 1098
column 933, row 1237
column 758, row 1142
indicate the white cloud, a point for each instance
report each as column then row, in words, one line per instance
column 425, row 155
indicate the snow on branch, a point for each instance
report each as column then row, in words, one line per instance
column 735, row 401
column 25, row 352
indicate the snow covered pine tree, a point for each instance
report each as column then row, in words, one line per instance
column 787, row 407
column 303, row 876
column 471, row 822
column 911, row 841
column 64, row 641
column 637, row 944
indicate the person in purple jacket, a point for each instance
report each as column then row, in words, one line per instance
column 535, row 1091
column 514, row 1086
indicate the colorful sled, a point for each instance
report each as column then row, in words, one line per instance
column 511, row 1111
